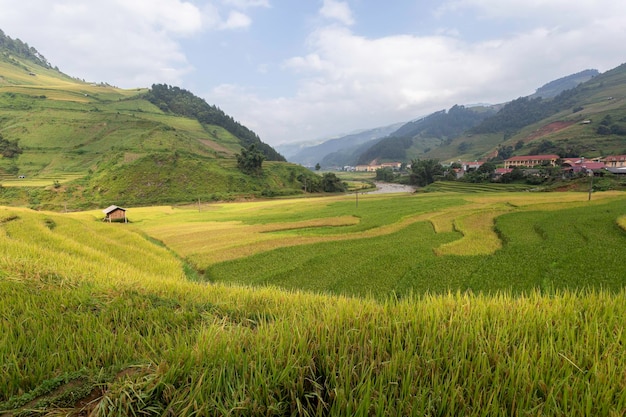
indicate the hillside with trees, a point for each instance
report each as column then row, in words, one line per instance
column 181, row 102
column 552, row 119
column 67, row 144
column 16, row 47
column 445, row 124
column 554, row 88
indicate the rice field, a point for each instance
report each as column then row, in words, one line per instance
column 103, row 319
column 428, row 243
column 41, row 180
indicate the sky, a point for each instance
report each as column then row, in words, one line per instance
column 305, row 70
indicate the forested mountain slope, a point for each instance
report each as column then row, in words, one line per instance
column 578, row 115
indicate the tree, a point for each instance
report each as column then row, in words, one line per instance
column 385, row 174
column 517, row 174
column 250, row 161
column 9, row 148
column 425, row 171
column 484, row 173
column 504, row 152
column 332, row 184
column 317, row 166
column 487, row 168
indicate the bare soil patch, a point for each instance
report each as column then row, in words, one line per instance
column 548, row 129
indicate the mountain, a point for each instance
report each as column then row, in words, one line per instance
column 551, row 120
column 421, row 135
column 556, row 87
column 568, row 124
column 84, row 145
column 311, row 155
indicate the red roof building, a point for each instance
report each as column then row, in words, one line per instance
column 531, row 161
column 615, row 161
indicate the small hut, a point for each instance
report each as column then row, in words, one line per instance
column 115, row 214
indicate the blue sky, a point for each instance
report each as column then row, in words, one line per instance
column 302, row 70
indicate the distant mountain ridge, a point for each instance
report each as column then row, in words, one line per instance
column 556, row 87
column 471, row 132
column 311, row 155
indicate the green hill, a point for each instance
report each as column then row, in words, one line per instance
column 87, row 145
column 566, row 124
column 550, row 121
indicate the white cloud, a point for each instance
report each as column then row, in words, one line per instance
column 337, row 10
column 125, row 43
column 174, row 16
column 349, row 81
column 555, row 11
column 246, row 4
column 236, row 20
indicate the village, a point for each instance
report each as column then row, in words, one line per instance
column 615, row 164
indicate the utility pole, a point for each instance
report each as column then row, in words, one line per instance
column 590, row 173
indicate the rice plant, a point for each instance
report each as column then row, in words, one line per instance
column 98, row 320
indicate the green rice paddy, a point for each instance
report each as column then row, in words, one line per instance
column 327, row 309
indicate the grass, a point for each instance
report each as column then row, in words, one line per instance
column 424, row 243
column 98, row 319
column 67, row 126
column 463, row 187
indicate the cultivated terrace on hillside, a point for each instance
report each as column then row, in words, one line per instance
column 67, row 144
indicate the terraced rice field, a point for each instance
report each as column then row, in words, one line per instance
column 417, row 242
column 99, row 320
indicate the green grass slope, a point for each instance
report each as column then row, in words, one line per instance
column 87, row 145
column 97, row 320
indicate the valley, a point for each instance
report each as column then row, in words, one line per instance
column 242, row 284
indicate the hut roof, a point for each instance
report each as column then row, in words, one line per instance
column 111, row 209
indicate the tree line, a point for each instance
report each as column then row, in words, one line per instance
column 181, row 102
column 17, row 47
column 525, row 111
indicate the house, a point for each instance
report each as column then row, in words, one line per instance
column 582, row 164
column 470, row 166
column 615, row 161
column 115, row 214
column 501, row 171
column 466, row 167
column 531, row 161
column 393, row 165
column 373, row 167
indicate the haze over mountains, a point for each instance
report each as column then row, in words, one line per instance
column 448, row 134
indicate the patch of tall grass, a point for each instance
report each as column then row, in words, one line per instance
column 621, row 222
